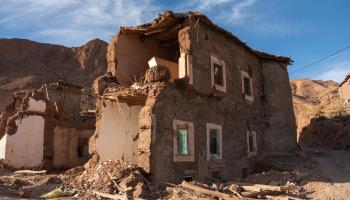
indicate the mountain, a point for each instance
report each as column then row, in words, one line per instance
column 26, row 64
column 313, row 98
column 317, row 110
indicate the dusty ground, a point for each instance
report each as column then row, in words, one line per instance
column 334, row 165
column 323, row 174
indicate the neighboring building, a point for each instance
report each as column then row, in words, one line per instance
column 344, row 92
column 44, row 128
column 209, row 106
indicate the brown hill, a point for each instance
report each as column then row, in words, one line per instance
column 313, row 98
column 317, row 111
column 26, row 64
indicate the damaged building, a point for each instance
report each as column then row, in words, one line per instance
column 44, row 128
column 187, row 100
column 344, row 93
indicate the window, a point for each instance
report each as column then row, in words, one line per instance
column 183, row 140
column 247, row 86
column 218, row 74
column 214, row 141
column 251, row 143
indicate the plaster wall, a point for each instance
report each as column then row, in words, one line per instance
column 118, row 127
column 36, row 106
column 3, row 146
column 65, row 146
column 25, row 148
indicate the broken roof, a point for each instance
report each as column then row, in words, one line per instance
column 171, row 22
column 345, row 80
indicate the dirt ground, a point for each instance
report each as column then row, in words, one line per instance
column 335, row 166
column 322, row 174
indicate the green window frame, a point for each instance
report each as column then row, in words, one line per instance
column 182, row 142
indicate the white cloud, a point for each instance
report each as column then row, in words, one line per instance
column 335, row 71
column 238, row 13
column 73, row 22
column 229, row 11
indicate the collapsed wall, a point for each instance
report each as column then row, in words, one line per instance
column 43, row 128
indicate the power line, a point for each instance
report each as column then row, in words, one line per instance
column 322, row 59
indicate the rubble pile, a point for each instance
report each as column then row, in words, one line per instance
column 113, row 178
column 234, row 190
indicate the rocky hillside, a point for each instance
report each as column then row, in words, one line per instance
column 317, row 111
column 25, row 64
column 312, row 98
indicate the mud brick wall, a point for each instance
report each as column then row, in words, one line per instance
column 280, row 133
column 230, row 110
column 270, row 115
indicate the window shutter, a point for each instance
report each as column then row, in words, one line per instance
column 182, row 142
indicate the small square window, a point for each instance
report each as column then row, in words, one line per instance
column 214, row 141
column 216, row 174
column 251, row 143
column 247, row 89
column 218, row 74
column 247, row 86
column 188, row 178
column 183, row 140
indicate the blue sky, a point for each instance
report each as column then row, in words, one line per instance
column 306, row 30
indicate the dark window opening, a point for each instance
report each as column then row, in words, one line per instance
column 213, row 142
column 82, row 149
column 218, row 75
column 182, row 142
column 188, row 178
column 244, row 172
column 251, row 143
column 247, row 86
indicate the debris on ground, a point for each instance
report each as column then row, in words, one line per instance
column 120, row 180
column 226, row 191
column 112, row 177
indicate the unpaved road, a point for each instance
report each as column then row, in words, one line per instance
column 334, row 165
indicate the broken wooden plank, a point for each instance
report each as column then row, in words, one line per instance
column 260, row 187
column 233, row 188
column 255, row 194
column 30, row 172
column 120, row 189
column 207, row 192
